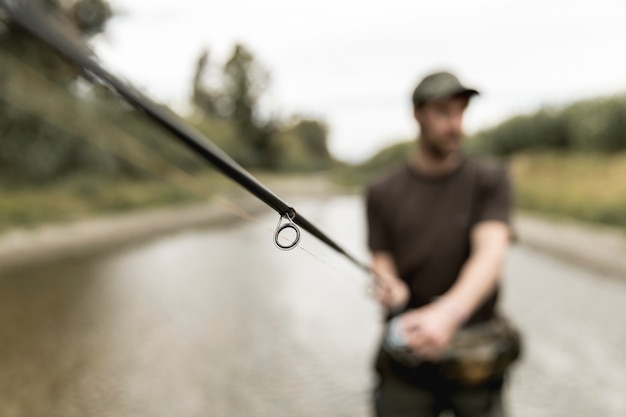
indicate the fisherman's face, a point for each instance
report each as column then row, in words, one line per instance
column 441, row 125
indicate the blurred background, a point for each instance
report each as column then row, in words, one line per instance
column 137, row 280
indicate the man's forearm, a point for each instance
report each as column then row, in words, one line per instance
column 480, row 274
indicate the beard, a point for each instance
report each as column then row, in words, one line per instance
column 443, row 147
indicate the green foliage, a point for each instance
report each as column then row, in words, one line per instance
column 597, row 125
column 313, row 135
column 390, row 156
column 204, row 98
column 228, row 111
column 304, row 146
column 241, row 85
column 37, row 91
column 71, row 146
column 220, row 131
column 35, row 152
column 387, row 158
column 54, row 124
column 585, row 179
column 78, row 197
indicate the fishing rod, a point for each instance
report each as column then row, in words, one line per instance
column 33, row 21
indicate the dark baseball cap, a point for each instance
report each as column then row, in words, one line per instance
column 440, row 85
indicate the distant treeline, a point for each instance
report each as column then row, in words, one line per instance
column 588, row 126
column 597, row 125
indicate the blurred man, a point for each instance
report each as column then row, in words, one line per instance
column 438, row 233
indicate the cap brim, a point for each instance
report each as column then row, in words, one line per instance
column 462, row 92
column 457, row 92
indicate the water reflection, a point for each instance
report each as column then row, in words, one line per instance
column 203, row 322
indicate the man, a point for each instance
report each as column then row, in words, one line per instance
column 438, row 232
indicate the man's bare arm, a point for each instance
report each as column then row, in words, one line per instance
column 431, row 327
column 481, row 272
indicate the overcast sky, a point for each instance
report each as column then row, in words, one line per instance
column 355, row 63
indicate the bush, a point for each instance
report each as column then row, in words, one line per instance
column 597, row 125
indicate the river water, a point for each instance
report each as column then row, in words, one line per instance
column 218, row 322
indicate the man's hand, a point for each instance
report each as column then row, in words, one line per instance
column 391, row 294
column 391, row 291
column 430, row 329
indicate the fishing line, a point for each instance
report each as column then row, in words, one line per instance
column 35, row 23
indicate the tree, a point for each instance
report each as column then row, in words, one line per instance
column 313, row 134
column 295, row 144
column 204, row 98
column 31, row 149
column 244, row 83
column 241, row 86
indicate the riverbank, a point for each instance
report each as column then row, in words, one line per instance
column 82, row 237
column 590, row 246
column 601, row 248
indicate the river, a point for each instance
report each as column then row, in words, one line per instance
column 218, row 322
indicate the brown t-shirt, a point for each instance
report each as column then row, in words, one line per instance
column 425, row 222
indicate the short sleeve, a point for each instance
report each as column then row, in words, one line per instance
column 377, row 233
column 496, row 196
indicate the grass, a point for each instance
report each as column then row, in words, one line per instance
column 80, row 198
column 587, row 187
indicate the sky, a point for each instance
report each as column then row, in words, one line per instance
column 354, row 63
